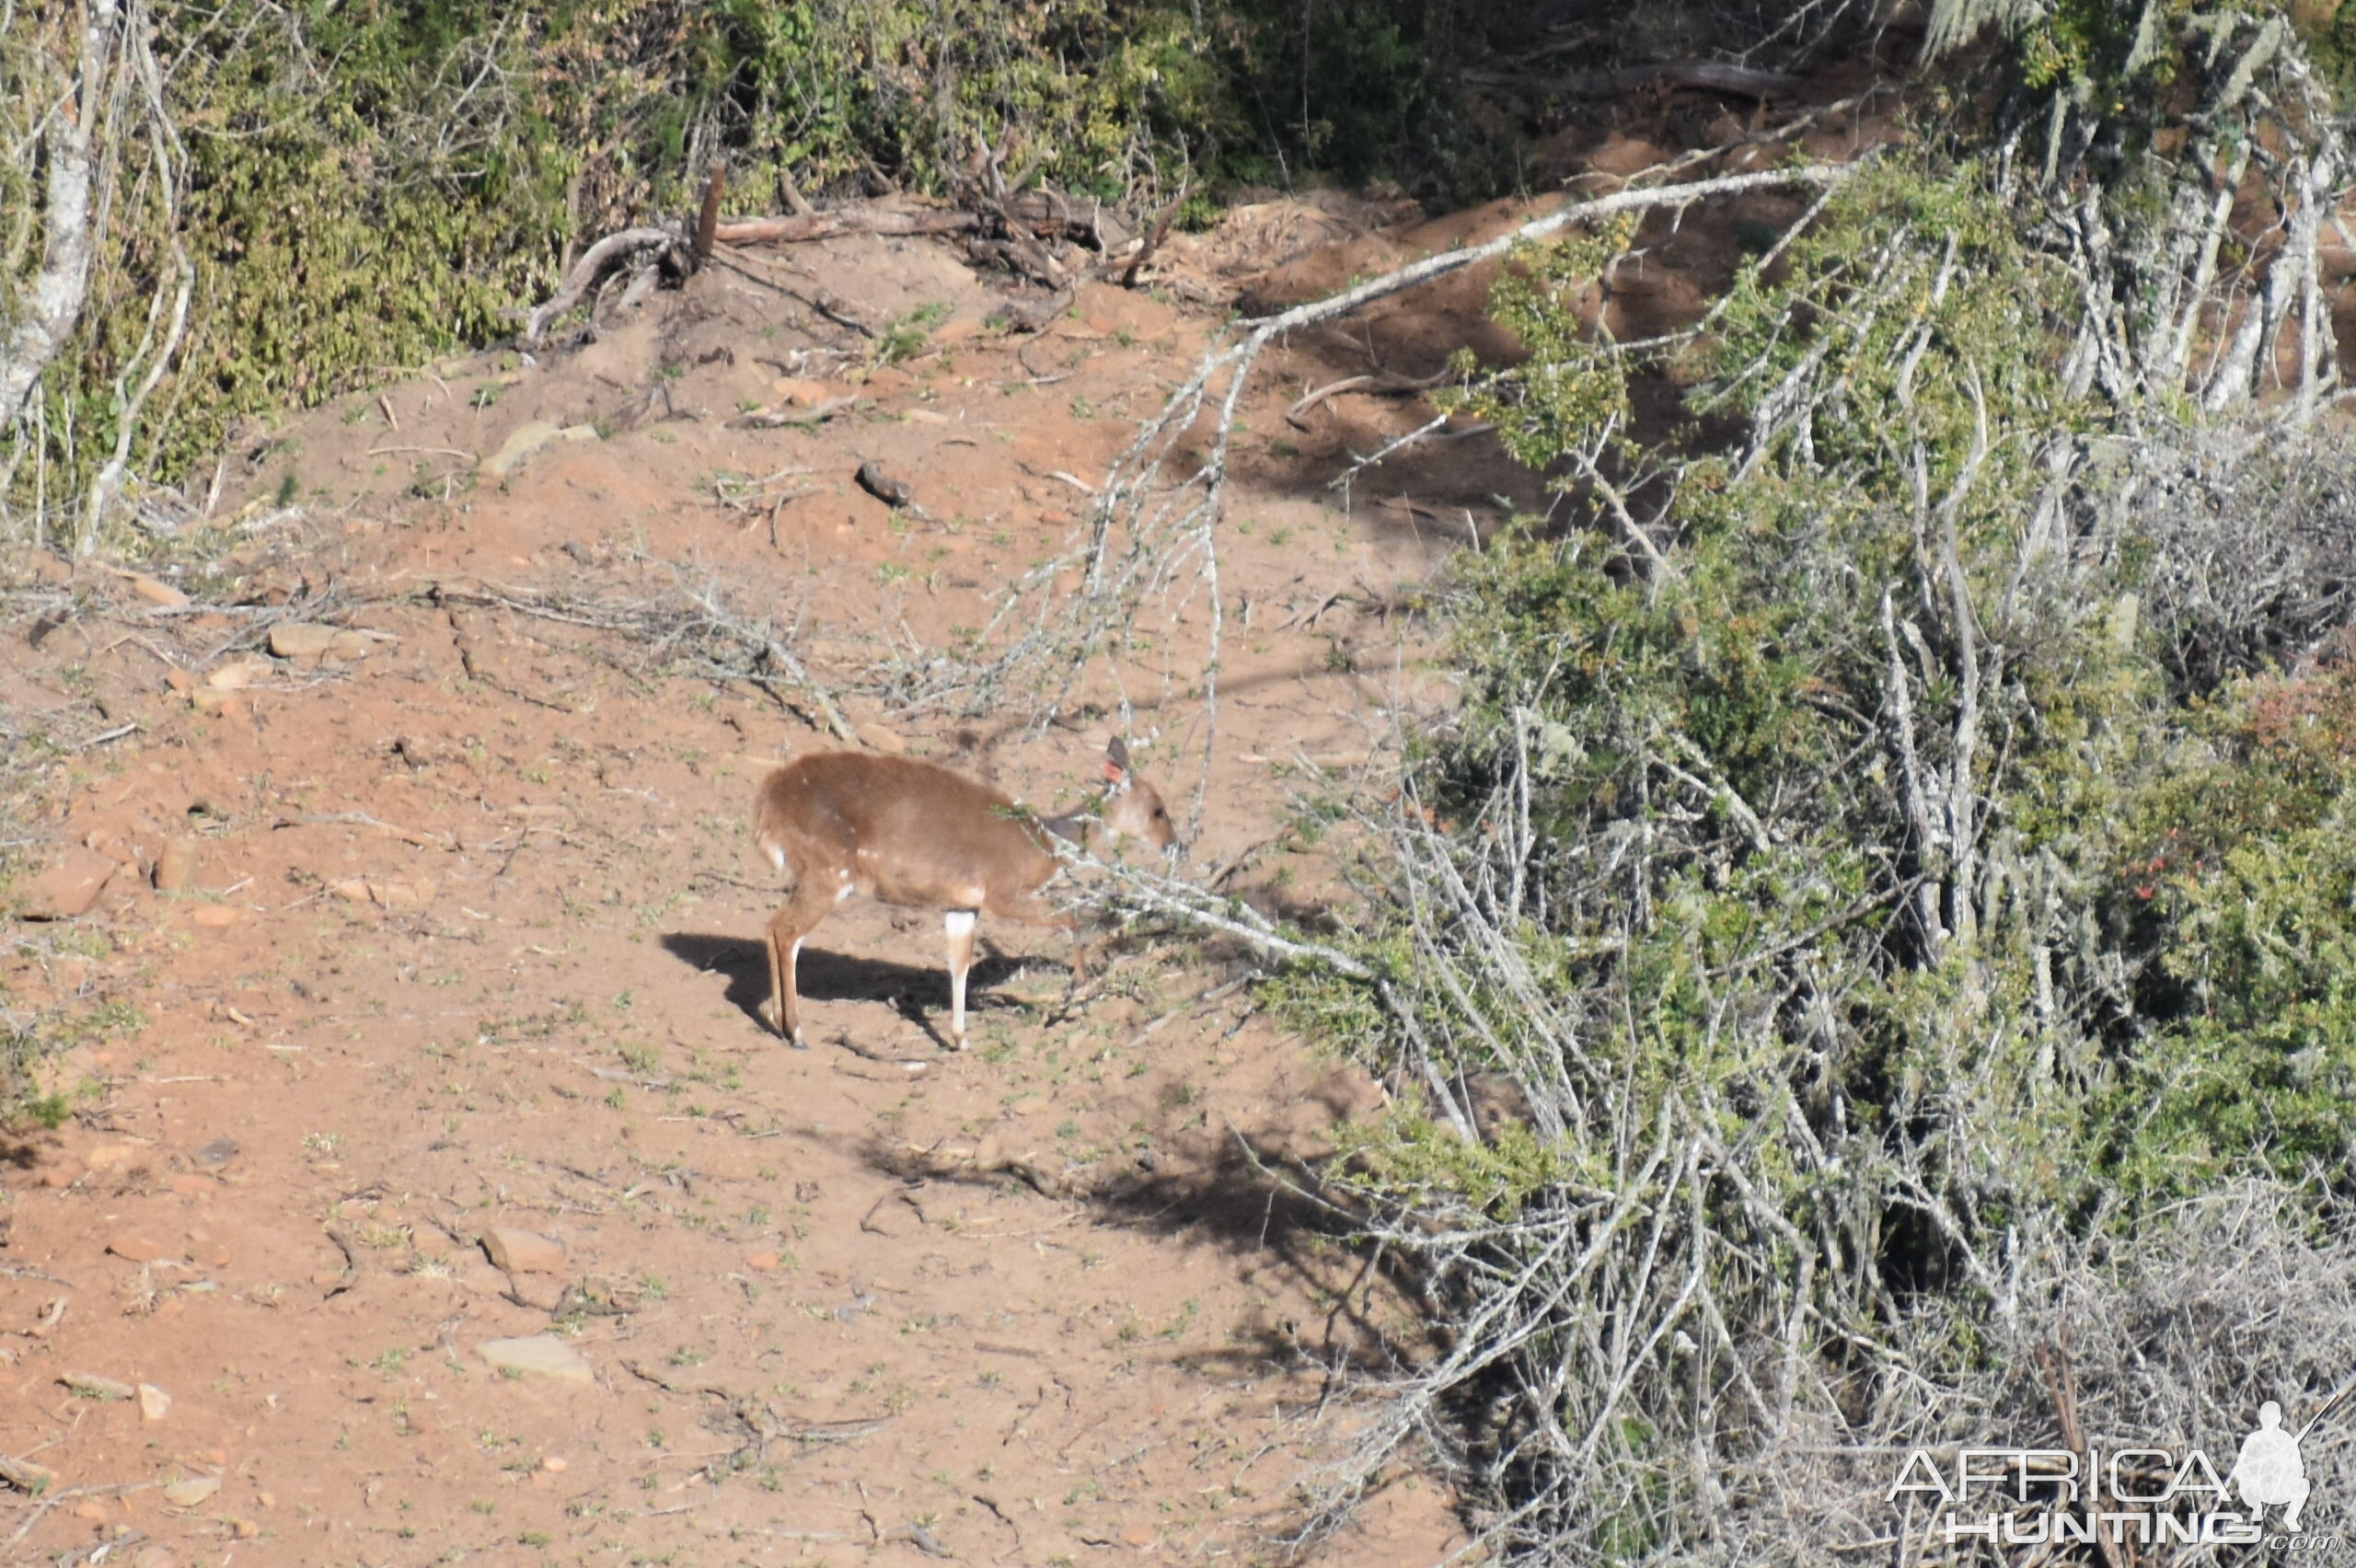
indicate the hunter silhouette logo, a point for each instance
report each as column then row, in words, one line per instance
column 2146, row 1496
column 2268, row 1472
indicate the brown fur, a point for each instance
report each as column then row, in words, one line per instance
column 915, row 834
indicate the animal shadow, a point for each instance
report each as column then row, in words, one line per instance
column 915, row 991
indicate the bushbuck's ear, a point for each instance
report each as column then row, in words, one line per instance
column 1116, row 762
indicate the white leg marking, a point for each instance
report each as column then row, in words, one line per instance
column 960, row 924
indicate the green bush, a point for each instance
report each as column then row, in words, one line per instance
column 1844, row 874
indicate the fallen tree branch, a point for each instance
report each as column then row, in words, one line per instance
column 1707, row 76
column 1381, row 385
column 595, row 263
column 842, row 221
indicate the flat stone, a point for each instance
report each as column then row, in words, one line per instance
column 220, row 1151
column 190, row 1185
column 300, row 640
column 805, row 394
column 528, row 438
column 392, row 894
column 540, row 1355
column 135, row 1247
column 70, row 886
column 191, row 1490
column 158, row 593
column 359, row 644
column 155, row 1556
column 523, row 1251
column 154, row 1403
column 762, row 1262
column 236, row 675
column 176, row 867
column 214, row 915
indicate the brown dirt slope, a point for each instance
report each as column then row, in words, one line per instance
column 467, row 941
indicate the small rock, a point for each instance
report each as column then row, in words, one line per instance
column 803, row 394
column 553, row 1464
column 90, row 1385
column 176, row 867
column 244, row 1529
column 155, row 1556
column 236, row 675
column 70, row 886
column 157, row 593
column 228, row 704
column 220, row 1151
column 180, row 681
column 541, row 1356
column 523, row 1251
column 112, row 1157
column 892, row 493
column 358, row 644
column 300, row 640
column 214, row 915
column 190, row 1185
column 528, row 438
column 402, row 895
column 191, row 1490
column 154, row 1403
column 94, row 1511
column 134, row 1247
column 1137, row 1536
column 267, row 1499
column 353, row 890
column 762, row 1262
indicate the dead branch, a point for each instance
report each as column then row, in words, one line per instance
column 608, row 253
column 1705, row 75
column 1157, row 230
column 153, row 356
column 1382, row 384
column 708, row 220
column 841, row 221
column 54, row 302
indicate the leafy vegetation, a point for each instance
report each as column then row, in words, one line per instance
column 1895, row 852
column 347, row 190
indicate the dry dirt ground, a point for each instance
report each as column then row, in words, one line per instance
column 461, row 933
